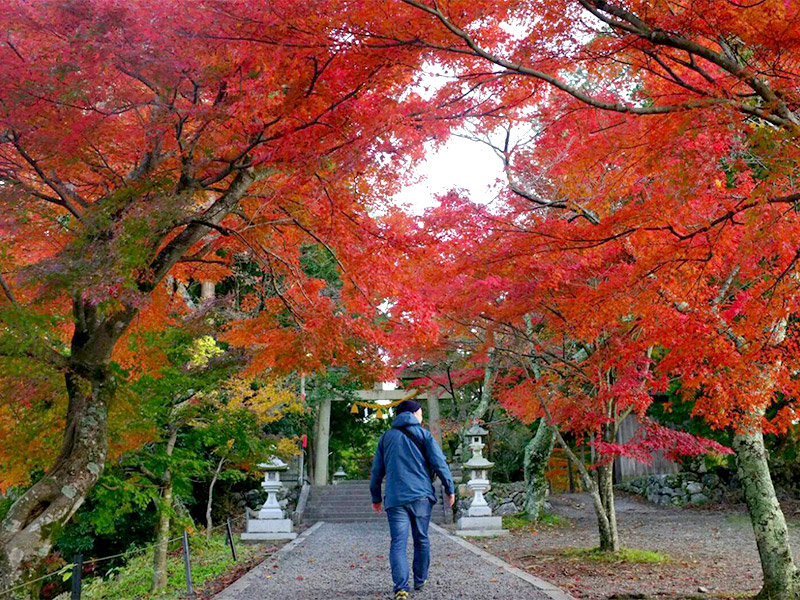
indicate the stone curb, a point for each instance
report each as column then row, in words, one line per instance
column 543, row 586
column 246, row 579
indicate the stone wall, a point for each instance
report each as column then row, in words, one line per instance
column 503, row 498
column 684, row 488
column 287, row 498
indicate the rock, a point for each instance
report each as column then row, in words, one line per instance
column 703, row 590
column 509, row 508
column 699, row 499
column 694, row 487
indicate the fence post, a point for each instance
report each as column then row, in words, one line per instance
column 77, row 572
column 230, row 539
column 187, row 564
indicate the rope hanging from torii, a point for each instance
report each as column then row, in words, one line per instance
column 379, row 408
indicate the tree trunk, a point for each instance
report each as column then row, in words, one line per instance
column 211, row 496
column 781, row 578
column 537, row 455
column 35, row 520
column 609, row 536
column 486, row 389
column 606, row 523
column 159, row 580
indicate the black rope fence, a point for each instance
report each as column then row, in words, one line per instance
column 74, row 570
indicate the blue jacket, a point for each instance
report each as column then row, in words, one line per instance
column 401, row 462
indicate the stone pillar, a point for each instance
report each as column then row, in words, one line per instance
column 433, row 415
column 323, row 429
column 206, row 290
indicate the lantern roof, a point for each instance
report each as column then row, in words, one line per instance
column 475, row 430
column 478, row 462
column 274, row 464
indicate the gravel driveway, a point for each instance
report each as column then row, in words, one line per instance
column 350, row 560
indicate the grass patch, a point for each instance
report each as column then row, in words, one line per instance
column 520, row 521
column 554, row 520
column 516, row 522
column 132, row 582
column 628, row 555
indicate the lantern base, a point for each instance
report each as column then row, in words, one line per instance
column 480, row 527
column 479, row 511
column 261, row 530
column 254, row 538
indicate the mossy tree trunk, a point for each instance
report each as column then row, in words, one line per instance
column 217, row 471
column 781, row 578
column 159, row 579
column 536, row 456
column 35, row 520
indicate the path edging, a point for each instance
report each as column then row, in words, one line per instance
column 244, row 580
column 543, row 586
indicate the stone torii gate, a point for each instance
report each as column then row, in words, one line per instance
column 322, row 427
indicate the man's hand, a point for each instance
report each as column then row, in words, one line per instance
column 376, row 506
column 451, row 499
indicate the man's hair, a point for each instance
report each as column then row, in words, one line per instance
column 408, row 406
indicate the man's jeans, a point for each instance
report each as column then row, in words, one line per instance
column 416, row 516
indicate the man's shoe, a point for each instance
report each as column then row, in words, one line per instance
column 419, row 586
column 401, row 595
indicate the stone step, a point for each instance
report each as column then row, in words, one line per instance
column 357, row 519
column 341, row 491
column 350, row 501
column 334, row 515
column 351, row 482
column 340, row 506
column 353, row 499
column 347, row 493
column 355, row 502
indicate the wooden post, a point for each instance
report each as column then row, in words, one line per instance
column 230, row 538
column 433, row 416
column 207, row 290
column 187, row 564
column 77, row 573
column 571, row 476
column 323, row 431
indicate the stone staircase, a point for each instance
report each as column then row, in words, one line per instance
column 350, row 501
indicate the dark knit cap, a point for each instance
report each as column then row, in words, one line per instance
column 408, row 406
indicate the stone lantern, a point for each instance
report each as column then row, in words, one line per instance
column 340, row 475
column 479, row 520
column 270, row 524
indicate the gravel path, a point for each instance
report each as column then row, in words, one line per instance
column 350, row 560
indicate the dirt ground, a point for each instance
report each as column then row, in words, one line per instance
column 711, row 550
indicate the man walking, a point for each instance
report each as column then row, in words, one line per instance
column 408, row 457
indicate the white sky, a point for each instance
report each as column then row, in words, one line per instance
column 459, row 163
